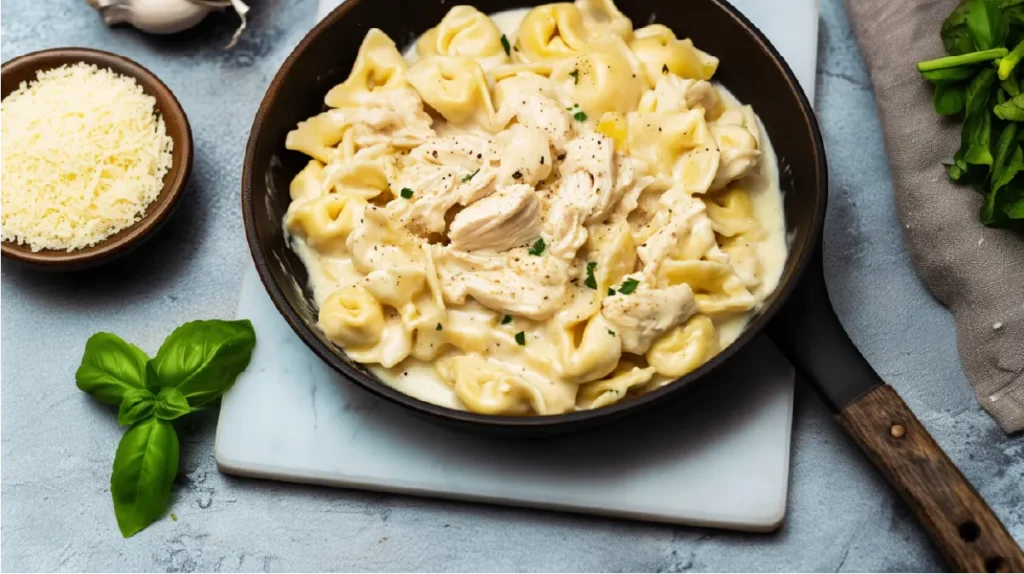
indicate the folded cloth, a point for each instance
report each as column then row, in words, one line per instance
column 976, row 271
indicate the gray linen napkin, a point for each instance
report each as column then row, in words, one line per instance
column 975, row 271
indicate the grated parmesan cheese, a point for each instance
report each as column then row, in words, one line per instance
column 84, row 154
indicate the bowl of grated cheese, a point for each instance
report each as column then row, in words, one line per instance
column 96, row 153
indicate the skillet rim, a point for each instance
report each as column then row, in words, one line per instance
column 548, row 424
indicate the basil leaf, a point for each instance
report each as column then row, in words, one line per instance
column 202, row 358
column 949, row 100
column 1011, row 110
column 986, row 25
column 171, row 404
column 138, row 404
column 955, row 37
column 144, row 469
column 110, row 368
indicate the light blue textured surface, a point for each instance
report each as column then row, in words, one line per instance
column 57, row 444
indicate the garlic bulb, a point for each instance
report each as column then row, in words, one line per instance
column 165, row 16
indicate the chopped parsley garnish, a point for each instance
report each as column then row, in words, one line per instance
column 628, row 286
column 506, row 319
column 664, row 68
column 538, row 247
column 591, row 280
column 580, row 116
column 506, row 45
column 406, row 193
column 439, row 327
column 610, row 332
column 575, row 75
column 466, row 178
column 521, row 338
column 611, row 291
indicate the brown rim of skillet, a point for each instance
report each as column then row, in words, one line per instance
column 24, row 68
column 801, row 255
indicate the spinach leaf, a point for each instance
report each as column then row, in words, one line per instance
column 110, row 368
column 1015, row 209
column 1011, row 86
column 144, row 469
column 955, row 37
column 975, row 136
column 171, row 404
column 202, row 358
column 986, row 25
column 1011, row 110
column 949, row 100
column 138, row 404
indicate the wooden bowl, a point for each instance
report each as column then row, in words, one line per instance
column 24, row 69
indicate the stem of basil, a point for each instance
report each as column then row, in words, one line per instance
column 1008, row 63
column 962, row 59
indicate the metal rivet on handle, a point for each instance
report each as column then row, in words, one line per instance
column 897, row 431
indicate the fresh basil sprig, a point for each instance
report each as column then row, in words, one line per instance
column 980, row 80
column 197, row 363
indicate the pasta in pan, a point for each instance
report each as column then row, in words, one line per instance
column 535, row 212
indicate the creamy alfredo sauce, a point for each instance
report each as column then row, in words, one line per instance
column 420, row 379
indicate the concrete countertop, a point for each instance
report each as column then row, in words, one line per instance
column 58, row 444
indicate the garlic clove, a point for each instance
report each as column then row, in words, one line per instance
column 166, row 16
column 153, row 16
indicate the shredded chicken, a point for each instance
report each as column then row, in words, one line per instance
column 499, row 222
column 513, row 282
column 647, row 314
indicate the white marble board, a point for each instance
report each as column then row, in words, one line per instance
column 722, row 459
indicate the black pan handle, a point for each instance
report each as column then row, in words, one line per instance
column 959, row 521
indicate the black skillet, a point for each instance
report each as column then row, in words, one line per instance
column 807, row 331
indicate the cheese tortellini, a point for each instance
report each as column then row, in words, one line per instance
column 536, row 213
column 464, row 31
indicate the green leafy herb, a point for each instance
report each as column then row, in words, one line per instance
column 949, row 100
column 591, row 281
column 628, row 286
column 610, row 332
column 439, row 327
column 611, row 291
column 145, row 465
column 406, row 193
column 506, row 45
column 203, row 358
column 521, row 338
column 506, row 319
column 110, row 368
column 664, row 68
column 954, row 31
column 580, row 116
column 466, row 178
column 979, row 80
column 986, row 25
column 138, row 404
column 171, row 404
column 538, row 247
column 1011, row 110
column 194, row 366
column 575, row 75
